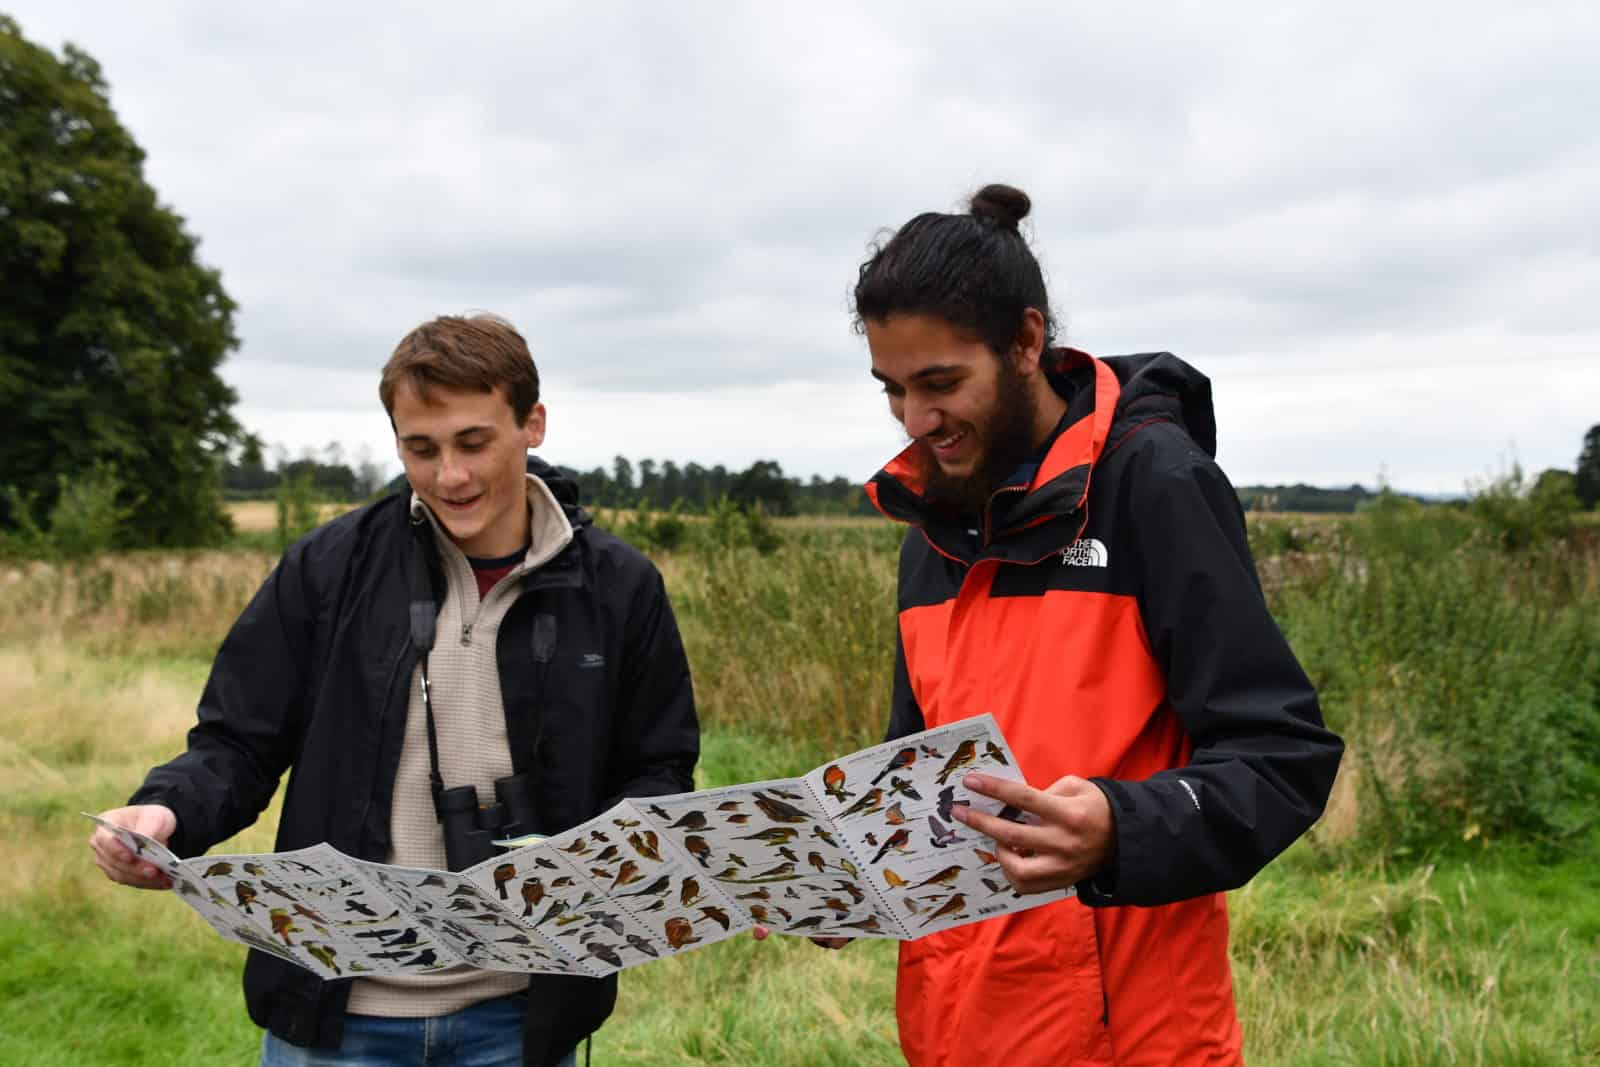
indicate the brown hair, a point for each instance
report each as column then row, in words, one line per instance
column 479, row 351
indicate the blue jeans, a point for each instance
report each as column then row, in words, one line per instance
column 488, row 1034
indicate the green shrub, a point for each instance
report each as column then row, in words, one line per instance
column 670, row 530
column 1463, row 666
column 655, row 532
column 28, row 540
column 88, row 514
column 1395, row 528
column 86, row 519
column 731, row 525
column 1521, row 515
column 726, row 526
column 298, row 504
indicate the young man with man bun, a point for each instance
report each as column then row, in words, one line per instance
column 1077, row 566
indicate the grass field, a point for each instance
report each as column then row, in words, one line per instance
column 260, row 516
column 1422, row 923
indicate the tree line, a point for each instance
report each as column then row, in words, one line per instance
column 661, row 485
column 119, row 428
column 656, row 485
column 245, row 475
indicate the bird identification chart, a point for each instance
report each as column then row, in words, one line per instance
column 863, row 847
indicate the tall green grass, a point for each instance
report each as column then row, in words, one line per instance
column 797, row 645
column 1450, row 915
column 1486, row 962
column 1465, row 676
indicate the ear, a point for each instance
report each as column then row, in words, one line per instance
column 534, row 427
column 1028, row 348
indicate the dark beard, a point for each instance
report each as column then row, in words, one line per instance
column 1007, row 439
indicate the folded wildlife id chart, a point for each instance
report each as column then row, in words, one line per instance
column 863, row 847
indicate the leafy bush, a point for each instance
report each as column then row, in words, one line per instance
column 1521, row 514
column 27, row 540
column 298, row 509
column 1462, row 663
column 731, row 525
column 727, row 526
column 1395, row 527
column 655, row 532
column 86, row 519
column 89, row 513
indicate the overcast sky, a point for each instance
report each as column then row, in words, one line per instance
column 1376, row 227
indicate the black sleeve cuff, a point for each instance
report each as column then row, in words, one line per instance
column 1099, row 890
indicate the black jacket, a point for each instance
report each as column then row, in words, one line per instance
column 314, row 678
column 1129, row 508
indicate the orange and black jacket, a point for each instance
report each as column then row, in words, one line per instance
column 1106, row 610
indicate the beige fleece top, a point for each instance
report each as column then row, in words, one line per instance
column 473, row 748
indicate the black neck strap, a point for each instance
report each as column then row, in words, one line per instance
column 424, row 626
column 420, row 586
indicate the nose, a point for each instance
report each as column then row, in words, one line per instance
column 919, row 418
column 451, row 470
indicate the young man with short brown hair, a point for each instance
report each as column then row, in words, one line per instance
column 557, row 663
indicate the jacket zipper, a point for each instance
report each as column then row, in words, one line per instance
column 466, row 627
column 988, row 511
column 465, row 580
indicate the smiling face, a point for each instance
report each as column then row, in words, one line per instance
column 976, row 414
column 466, row 457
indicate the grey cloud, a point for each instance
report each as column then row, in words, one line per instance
column 671, row 198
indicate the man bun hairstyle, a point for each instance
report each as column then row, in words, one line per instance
column 1004, row 205
column 973, row 270
column 479, row 351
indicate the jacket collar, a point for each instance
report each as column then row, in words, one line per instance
column 549, row 533
column 1058, row 486
column 554, row 556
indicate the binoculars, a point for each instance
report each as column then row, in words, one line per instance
column 470, row 830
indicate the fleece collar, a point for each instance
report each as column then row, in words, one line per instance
column 548, row 527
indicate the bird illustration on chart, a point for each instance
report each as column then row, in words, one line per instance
column 963, row 756
column 899, row 761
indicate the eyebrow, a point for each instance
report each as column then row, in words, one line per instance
column 415, row 438
column 925, row 372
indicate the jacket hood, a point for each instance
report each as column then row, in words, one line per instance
column 563, row 487
column 1160, row 385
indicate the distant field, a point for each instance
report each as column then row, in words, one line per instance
column 260, row 516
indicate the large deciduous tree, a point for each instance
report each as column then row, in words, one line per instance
column 111, row 331
column 1588, row 472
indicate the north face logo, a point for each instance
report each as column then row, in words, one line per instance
column 591, row 660
column 1084, row 552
